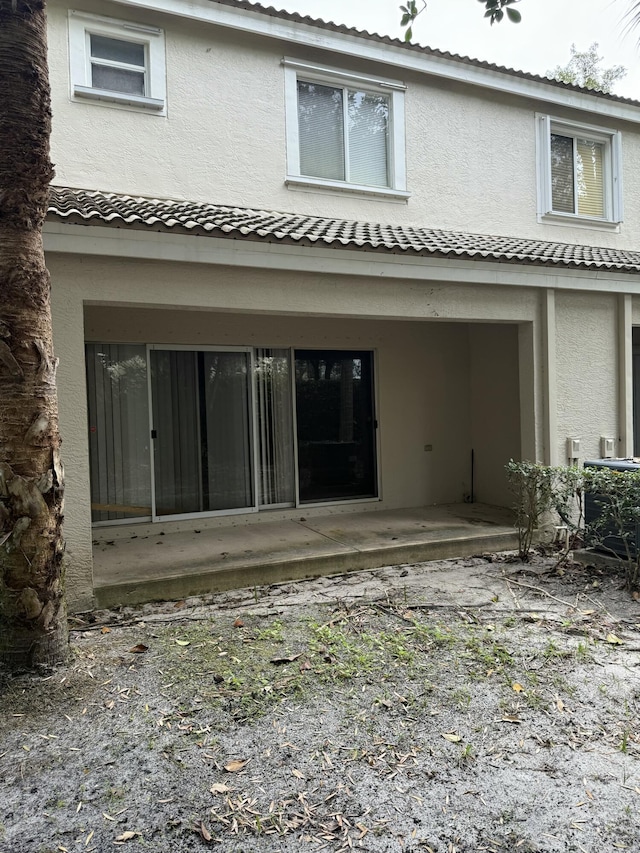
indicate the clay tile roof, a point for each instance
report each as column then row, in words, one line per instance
column 296, row 18
column 86, row 207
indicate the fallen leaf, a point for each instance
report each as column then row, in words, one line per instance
column 614, row 640
column 219, row 788
column 517, row 687
column 204, row 832
column 452, row 737
column 559, row 704
column 127, row 836
column 235, row 765
column 179, row 605
column 510, row 718
column 238, row 623
column 105, row 630
column 182, row 642
column 139, row 649
column 286, row 659
column 306, row 664
column 297, row 774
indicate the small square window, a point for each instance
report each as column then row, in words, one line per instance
column 117, row 62
column 579, row 174
column 119, row 66
column 344, row 132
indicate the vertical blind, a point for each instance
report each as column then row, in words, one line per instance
column 118, row 431
column 354, row 148
column 275, row 426
column 577, row 177
column 590, row 177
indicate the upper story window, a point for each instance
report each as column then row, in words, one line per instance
column 117, row 62
column 579, row 174
column 344, row 132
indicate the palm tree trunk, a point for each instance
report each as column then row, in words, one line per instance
column 33, row 625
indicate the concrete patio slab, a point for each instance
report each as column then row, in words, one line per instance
column 175, row 565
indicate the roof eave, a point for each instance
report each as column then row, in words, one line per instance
column 390, row 52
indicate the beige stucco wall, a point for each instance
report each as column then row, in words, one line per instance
column 586, row 370
column 495, row 408
column 471, row 159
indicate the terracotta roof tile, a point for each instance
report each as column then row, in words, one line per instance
column 87, row 207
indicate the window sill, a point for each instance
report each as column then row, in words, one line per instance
column 386, row 193
column 572, row 221
column 88, row 92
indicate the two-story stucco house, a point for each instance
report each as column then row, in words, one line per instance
column 298, row 267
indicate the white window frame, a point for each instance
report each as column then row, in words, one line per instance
column 295, row 70
column 82, row 26
column 611, row 141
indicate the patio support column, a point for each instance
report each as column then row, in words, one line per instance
column 549, row 384
column 625, row 375
column 527, row 360
column 68, row 337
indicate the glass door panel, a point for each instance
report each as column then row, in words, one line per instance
column 275, row 427
column 176, row 449
column 118, row 432
column 201, row 417
column 225, row 421
column 335, row 425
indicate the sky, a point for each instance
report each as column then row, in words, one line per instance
column 539, row 43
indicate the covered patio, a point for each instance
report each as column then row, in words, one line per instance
column 174, row 565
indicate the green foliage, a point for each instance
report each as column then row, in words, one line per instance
column 583, row 69
column 617, row 495
column 532, row 487
column 558, row 492
column 495, row 11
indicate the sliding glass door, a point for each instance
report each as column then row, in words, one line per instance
column 335, row 425
column 201, row 407
column 179, row 431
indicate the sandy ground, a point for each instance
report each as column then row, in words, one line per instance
column 464, row 705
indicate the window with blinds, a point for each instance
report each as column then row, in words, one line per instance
column 343, row 134
column 577, row 176
column 579, row 173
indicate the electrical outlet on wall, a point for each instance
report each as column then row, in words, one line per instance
column 607, row 447
column 573, row 448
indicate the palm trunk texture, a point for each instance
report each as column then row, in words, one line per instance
column 33, row 624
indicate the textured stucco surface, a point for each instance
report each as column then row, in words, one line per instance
column 587, row 370
column 495, row 408
column 470, row 154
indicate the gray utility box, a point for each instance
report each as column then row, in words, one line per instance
column 593, row 509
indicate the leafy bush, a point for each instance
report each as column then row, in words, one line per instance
column 545, row 493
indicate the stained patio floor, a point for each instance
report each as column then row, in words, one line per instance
column 158, row 567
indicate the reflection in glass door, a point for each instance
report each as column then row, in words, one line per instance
column 201, row 407
column 335, row 425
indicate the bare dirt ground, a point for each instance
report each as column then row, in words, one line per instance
column 466, row 705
